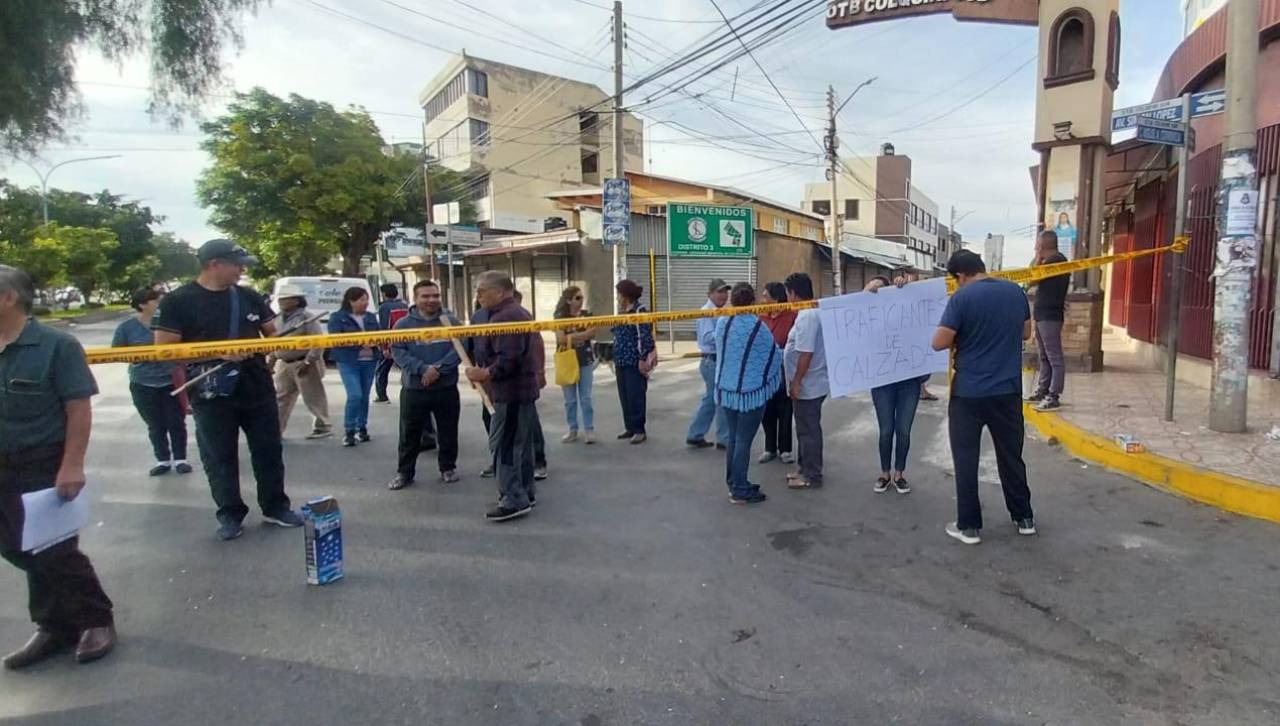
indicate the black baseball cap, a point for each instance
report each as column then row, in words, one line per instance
column 225, row 249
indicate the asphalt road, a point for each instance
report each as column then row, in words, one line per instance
column 636, row 594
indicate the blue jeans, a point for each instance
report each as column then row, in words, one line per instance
column 357, row 378
column 579, row 394
column 707, row 408
column 742, row 426
column 896, row 410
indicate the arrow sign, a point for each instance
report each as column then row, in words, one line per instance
column 439, row 233
column 1208, row 103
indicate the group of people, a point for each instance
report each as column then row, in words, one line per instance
column 758, row 372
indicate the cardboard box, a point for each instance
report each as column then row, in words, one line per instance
column 323, row 537
column 1130, row 444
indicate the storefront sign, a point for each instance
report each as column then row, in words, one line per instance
column 703, row 230
column 854, row 12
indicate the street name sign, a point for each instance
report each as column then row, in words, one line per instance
column 1127, row 118
column 616, row 210
column 706, row 230
column 1161, row 132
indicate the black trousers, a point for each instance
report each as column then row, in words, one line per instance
column 539, row 441
column 777, row 422
column 633, row 391
column 381, row 374
column 219, row 422
column 166, row 421
column 418, row 407
column 1002, row 416
column 64, row 595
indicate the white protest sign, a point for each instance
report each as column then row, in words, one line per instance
column 873, row 339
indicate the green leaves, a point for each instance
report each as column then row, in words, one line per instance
column 39, row 39
column 85, row 253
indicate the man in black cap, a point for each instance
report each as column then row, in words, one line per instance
column 239, row 394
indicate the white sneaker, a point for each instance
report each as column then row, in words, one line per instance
column 787, row 457
column 569, row 438
column 968, row 536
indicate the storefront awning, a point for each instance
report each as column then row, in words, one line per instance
column 526, row 243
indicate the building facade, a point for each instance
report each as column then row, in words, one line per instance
column 876, row 198
column 1142, row 183
column 520, row 134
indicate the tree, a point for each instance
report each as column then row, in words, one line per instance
column 44, row 259
column 177, row 261
column 39, row 40
column 299, row 182
column 86, row 251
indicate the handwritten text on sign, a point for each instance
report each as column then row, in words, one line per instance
column 873, row 339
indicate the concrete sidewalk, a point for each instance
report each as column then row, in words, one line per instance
column 1240, row 472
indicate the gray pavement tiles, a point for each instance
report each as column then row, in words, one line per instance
column 635, row 594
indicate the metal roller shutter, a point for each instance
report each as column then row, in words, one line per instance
column 548, row 283
column 689, row 279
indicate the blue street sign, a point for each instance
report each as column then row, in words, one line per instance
column 1208, row 103
column 1161, row 132
column 1127, row 118
column 616, row 205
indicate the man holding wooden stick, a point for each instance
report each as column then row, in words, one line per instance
column 234, row 394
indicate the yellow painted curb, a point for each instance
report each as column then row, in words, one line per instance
column 1234, row 494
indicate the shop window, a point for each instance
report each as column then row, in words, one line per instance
column 1070, row 49
column 780, row 225
column 851, row 209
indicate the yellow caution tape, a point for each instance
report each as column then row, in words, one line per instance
column 262, row 346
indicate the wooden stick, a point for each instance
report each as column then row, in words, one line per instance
column 466, row 360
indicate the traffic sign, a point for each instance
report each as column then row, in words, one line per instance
column 616, row 211
column 1208, row 103
column 455, row 233
column 1127, row 118
column 1161, row 132
column 704, row 230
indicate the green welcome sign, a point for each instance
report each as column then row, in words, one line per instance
column 707, row 230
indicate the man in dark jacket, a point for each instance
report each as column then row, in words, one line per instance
column 507, row 365
column 1049, row 311
column 429, row 379
column 387, row 320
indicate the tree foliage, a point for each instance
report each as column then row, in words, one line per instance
column 137, row 258
column 299, row 182
column 86, row 252
column 39, row 40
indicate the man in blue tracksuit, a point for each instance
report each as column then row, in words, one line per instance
column 429, row 390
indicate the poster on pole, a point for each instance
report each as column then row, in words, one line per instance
column 1242, row 212
column 873, row 339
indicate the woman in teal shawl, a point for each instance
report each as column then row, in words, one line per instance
column 748, row 372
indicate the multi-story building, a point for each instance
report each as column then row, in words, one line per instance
column 520, row 135
column 877, row 199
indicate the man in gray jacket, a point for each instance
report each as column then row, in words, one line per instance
column 429, row 388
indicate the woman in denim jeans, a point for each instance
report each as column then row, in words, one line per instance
column 895, row 405
column 357, row 364
column 579, row 339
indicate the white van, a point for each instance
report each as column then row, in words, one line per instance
column 324, row 294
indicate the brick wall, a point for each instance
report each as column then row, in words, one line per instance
column 1081, row 335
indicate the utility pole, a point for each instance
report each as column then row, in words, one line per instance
column 833, row 172
column 428, row 245
column 1176, row 258
column 619, row 171
column 1237, row 249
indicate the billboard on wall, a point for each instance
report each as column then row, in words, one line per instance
column 841, row 13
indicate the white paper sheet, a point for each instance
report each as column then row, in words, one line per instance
column 873, row 339
column 48, row 520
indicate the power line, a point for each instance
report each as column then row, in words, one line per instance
column 650, row 17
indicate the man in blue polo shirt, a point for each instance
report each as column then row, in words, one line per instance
column 986, row 321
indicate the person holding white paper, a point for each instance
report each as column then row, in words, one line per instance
column 45, row 417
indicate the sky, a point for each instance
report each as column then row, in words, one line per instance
column 958, row 98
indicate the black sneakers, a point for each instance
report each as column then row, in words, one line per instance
column 349, row 439
column 503, row 514
column 159, row 470
column 967, row 536
column 902, row 486
column 698, row 443
column 363, row 436
column 1050, row 403
column 228, row 531
column 398, row 482
column 882, row 485
column 1037, row 397
column 182, row 467
column 754, row 498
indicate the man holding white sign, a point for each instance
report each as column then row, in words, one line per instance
column 987, row 321
column 45, row 416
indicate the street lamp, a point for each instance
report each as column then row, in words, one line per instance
column 44, row 178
